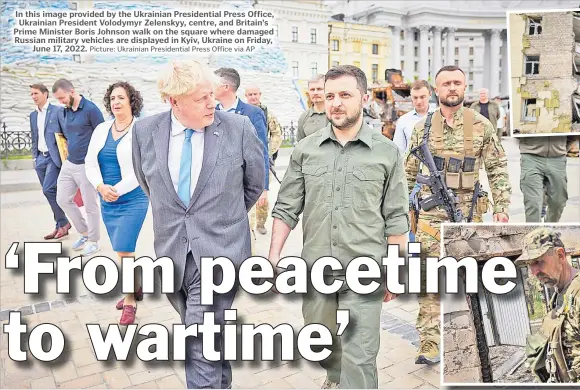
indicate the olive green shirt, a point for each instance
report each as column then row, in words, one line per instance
column 352, row 196
column 310, row 122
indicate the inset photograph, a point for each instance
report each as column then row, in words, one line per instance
column 544, row 66
column 529, row 335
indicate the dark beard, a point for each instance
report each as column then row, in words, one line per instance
column 348, row 123
column 447, row 103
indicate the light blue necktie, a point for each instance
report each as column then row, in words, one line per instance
column 184, row 185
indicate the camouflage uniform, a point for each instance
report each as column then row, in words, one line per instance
column 564, row 307
column 487, row 150
column 274, row 141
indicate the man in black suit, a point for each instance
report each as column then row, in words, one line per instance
column 228, row 101
column 44, row 124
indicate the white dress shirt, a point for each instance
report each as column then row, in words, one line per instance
column 234, row 106
column 404, row 129
column 500, row 121
column 175, row 147
column 40, row 120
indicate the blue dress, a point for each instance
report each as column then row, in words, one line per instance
column 124, row 217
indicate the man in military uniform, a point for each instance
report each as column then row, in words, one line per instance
column 554, row 353
column 314, row 118
column 543, row 179
column 365, row 208
column 274, row 134
column 463, row 134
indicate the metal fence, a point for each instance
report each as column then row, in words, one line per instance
column 14, row 143
column 19, row 143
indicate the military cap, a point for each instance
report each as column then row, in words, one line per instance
column 537, row 242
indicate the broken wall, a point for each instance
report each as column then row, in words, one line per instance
column 554, row 85
column 461, row 356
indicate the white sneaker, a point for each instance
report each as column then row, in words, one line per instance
column 90, row 248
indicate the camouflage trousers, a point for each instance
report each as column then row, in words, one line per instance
column 428, row 321
column 262, row 214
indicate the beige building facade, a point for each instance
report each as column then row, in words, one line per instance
column 543, row 79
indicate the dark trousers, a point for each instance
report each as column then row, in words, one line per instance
column 47, row 172
column 201, row 373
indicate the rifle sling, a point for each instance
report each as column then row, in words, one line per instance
column 424, row 226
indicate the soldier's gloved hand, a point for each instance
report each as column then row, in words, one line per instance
column 501, row 217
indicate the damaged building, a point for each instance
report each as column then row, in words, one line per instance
column 484, row 334
column 545, row 72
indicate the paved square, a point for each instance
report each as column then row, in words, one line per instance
column 27, row 217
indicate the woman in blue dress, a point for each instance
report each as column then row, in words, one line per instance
column 109, row 167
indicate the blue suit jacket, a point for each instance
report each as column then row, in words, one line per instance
column 258, row 119
column 52, row 125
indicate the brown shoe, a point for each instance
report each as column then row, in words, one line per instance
column 51, row 235
column 62, row 232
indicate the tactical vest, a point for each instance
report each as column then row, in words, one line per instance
column 461, row 182
column 545, row 353
column 455, row 180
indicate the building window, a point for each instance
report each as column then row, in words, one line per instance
column 471, row 51
column 471, row 63
column 313, row 35
column 314, row 69
column 334, row 63
column 470, row 87
column 375, row 48
column 456, row 62
column 443, row 51
column 402, row 50
column 416, row 52
column 375, row 72
column 295, row 72
column 500, row 75
column 429, row 64
column 416, row 36
column 294, row 34
column 77, row 58
column 429, row 50
column 402, row 65
column 529, row 112
column 470, row 75
column 535, row 26
column 500, row 62
column 74, row 5
column 456, row 51
column 471, row 39
column 532, row 65
column 335, row 45
column 416, row 66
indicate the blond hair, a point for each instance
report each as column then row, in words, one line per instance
column 181, row 77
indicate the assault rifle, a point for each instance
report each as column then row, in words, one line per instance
column 436, row 181
column 272, row 170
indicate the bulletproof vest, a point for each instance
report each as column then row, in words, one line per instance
column 544, row 350
column 459, row 168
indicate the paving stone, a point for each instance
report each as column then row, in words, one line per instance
column 429, row 375
column 40, row 307
column 43, row 383
column 80, row 383
column 64, row 372
column 406, row 381
column 116, row 379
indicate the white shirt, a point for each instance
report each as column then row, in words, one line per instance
column 404, row 129
column 176, row 145
column 40, row 120
column 500, row 121
column 234, row 106
column 124, row 156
